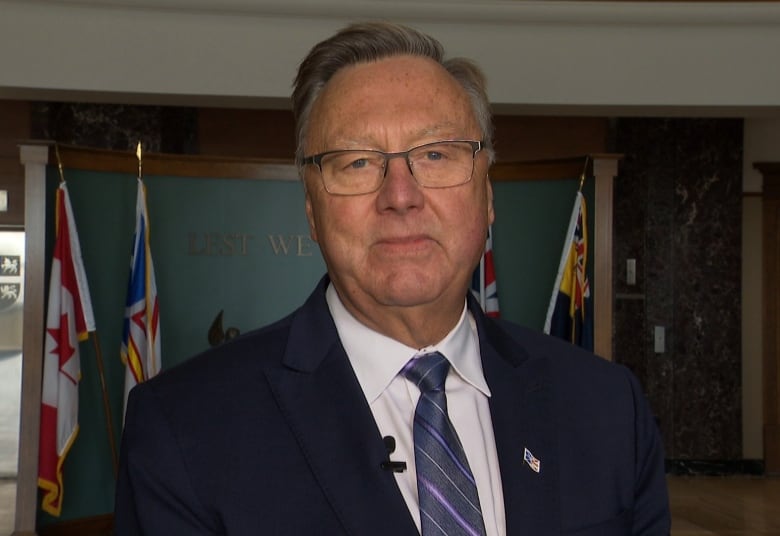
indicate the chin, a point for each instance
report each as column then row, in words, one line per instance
column 404, row 291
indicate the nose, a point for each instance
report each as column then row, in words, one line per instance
column 400, row 190
column 398, row 156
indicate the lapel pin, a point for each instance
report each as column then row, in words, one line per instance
column 532, row 461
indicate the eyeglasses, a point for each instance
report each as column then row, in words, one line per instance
column 441, row 164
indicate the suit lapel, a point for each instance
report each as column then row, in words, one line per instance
column 523, row 418
column 324, row 405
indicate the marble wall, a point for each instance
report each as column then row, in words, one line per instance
column 161, row 129
column 678, row 202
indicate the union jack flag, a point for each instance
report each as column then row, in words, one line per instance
column 483, row 282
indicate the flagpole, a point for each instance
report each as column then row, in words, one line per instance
column 99, row 359
column 139, row 156
column 106, row 405
column 59, row 161
column 584, row 172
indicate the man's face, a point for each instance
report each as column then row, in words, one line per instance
column 403, row 245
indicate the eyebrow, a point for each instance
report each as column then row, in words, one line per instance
column 436, row 130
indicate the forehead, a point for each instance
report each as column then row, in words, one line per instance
column 402, row 95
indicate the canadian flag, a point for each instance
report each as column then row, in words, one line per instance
column 69, row 320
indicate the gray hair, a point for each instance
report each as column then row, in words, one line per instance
column 372, row 41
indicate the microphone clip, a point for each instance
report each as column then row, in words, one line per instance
column 388, row 464
column 396, row 467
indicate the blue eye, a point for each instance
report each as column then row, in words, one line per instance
column 434, row 155
column 359, row 163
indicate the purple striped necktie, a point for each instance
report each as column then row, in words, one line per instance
column 449, row 504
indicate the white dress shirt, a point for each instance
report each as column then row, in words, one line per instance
column 377, row 361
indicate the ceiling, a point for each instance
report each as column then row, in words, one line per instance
column 542, row 57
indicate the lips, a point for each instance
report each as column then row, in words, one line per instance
column 405, row 244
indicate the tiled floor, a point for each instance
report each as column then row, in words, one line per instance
column 725, row 506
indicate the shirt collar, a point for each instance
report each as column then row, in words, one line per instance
column 364, row 346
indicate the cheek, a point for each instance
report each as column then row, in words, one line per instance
column 473, row 242
column 339, row 228
column 472, row 236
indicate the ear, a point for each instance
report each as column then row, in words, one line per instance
column 310, row 216
column 491, row 215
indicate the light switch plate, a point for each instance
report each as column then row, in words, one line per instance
column 631, row 271
column 659, row 339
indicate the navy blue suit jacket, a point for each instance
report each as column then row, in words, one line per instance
column 271, row 434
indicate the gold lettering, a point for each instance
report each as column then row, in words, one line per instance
column 222, row 244
column 192, row 246
column 210, row 239
column 304, row 246
column 280, row 243
column 202, row 247
column 244, row 239
column 228, row 246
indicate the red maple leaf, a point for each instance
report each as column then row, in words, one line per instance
column 63, row 349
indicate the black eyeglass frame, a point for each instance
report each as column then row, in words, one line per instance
column 316, row 159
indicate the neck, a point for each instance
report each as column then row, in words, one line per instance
column 416, row 326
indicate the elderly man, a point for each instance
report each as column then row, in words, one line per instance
column 388, row 404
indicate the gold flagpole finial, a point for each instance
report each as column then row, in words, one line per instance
column 140, row 159
column 584, row 172
column 59, row 161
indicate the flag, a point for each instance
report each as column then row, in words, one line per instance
column 483, row 282
column 569, row 315
column 141, row 329
column 69, row 320
column 532, row 461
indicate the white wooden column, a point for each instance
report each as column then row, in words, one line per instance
column 34, row 158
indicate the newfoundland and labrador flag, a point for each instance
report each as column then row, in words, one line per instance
column 69, row 320
column 569, row 315
column 141, row 329
column 483, row 282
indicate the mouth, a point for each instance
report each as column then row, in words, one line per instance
column 405, row 245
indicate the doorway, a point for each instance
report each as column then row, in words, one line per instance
column 11, row 315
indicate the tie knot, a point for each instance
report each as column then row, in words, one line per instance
column 427, row 371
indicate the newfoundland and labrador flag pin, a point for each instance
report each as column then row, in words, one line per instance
column 532, row 461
